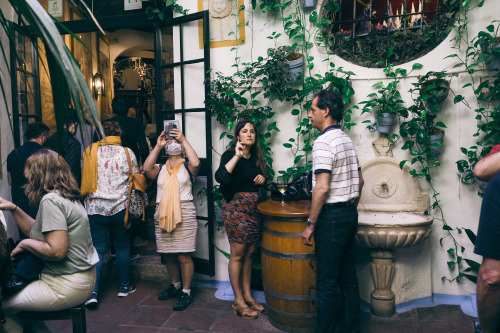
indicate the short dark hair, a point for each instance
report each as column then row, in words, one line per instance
column 111, row 128
column 332, row 101
column 120, row 106
column 35, row 130
column 70, row 117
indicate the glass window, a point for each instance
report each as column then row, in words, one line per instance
column 361, row 31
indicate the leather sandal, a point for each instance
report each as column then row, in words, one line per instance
column 255, row 306
column 244, row 312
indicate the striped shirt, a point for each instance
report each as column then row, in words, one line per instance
column 334, row 153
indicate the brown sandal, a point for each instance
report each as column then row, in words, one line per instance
column 255, row 306
column 244, row 312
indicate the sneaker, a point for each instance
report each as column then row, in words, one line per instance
column 477, row 328
column 183, row 302
column 134, row 256
column 92, row 301
column 125, row 291
column 169, row 293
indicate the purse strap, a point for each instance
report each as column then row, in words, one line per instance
column 125, row 220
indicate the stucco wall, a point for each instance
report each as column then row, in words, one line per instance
column 418, row 270
column 6, row 131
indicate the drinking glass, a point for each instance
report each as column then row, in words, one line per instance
column 282, row 184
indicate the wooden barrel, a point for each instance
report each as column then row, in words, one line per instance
column 288, row 266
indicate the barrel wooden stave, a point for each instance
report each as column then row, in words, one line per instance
column 288, row 273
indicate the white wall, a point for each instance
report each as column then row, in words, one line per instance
column 6, row 131
column 461, row 204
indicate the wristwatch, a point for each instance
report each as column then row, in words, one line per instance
column 309, row 222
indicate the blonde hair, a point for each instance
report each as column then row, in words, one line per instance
column 47, row 171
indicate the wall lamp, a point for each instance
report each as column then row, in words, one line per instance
column 98, row 85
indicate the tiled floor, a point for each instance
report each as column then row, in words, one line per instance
column 143, row 312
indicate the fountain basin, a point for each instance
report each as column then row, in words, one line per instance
column 392, row 230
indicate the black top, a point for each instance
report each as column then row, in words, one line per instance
column 15, row 166
column 133, row 136
column 488, row 233
column 242, row 177
column 69, row 148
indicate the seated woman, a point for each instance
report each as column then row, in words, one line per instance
column 175, row 216
column 105, row 186
column 59, row 236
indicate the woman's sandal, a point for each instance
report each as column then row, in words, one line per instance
column 255, row 306
column 244, row 312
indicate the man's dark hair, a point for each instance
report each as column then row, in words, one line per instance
column 332, row 101
column 70, row 117
column 35, row 130
column 120, row 106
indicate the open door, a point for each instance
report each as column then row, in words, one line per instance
column 182, row 86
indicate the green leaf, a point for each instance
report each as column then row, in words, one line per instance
column 451, row 265
column 295, row 112
column 313, row 17
column 440, row 124
column 402, row 164
column 471, row 235
column 458, row 99
column 451, row 251
column 447, row 227
column 416, row 66
column 273, row 126
column 287, row 145
column 222, row 135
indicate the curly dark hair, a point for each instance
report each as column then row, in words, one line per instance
column 47, row 171
column 111, row 128
column 332, row 101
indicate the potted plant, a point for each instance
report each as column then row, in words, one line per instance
column 295, row 62
column 489, row 43
column 274, row 74
column 434, row 92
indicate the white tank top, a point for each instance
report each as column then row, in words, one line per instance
column 185, row 185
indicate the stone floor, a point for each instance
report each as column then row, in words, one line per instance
column 143, row 312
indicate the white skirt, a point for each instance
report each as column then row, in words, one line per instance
column 183, row 238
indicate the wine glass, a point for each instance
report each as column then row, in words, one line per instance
column 282, row 184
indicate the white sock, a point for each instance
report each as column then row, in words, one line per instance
column 177, row 285
column 187, row 291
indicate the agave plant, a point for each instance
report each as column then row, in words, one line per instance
column 68, row 84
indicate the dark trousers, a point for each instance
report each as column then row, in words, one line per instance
column 338, row 303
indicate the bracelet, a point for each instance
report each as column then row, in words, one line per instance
column 13, row 210
column 309, row 222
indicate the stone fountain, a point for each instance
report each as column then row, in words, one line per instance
column 391, row 216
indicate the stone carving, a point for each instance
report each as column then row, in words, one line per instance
column 221, row 21
column 383, row 147
column 384, row 186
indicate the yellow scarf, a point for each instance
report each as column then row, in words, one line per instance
column 89, row 168
column 170, row 203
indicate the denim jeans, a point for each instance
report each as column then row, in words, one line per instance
column 337, row 297
column 100, row 227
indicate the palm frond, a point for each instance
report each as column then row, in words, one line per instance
column 44, row 27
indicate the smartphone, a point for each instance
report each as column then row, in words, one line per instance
column 170, row 125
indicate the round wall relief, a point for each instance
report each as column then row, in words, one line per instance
column 384, row 186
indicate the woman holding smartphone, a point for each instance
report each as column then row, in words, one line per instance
column 241, row 173
column 175, row 215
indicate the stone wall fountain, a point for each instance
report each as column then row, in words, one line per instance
column 391, row 216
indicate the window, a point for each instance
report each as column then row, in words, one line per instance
column 362, row 31
column 25, row 84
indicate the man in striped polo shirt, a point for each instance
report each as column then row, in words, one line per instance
column 333, row 219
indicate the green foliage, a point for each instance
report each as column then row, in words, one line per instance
column 163, row 9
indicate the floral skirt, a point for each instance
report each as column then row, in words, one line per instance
column 242, row 221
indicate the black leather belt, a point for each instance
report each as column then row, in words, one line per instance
column 336, row 205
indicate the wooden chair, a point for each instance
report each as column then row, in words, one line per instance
column 76, row 314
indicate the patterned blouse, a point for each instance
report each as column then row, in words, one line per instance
column 112, row 181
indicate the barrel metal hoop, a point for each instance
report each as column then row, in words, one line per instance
column 290, row 297
column 288, row 256
column 311, row 315
column 282, row 234
column 285, row 219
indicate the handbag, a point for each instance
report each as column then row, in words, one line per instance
column 299, row 189
column 137, row 196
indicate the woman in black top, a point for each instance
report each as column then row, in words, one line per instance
column 240, row 174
